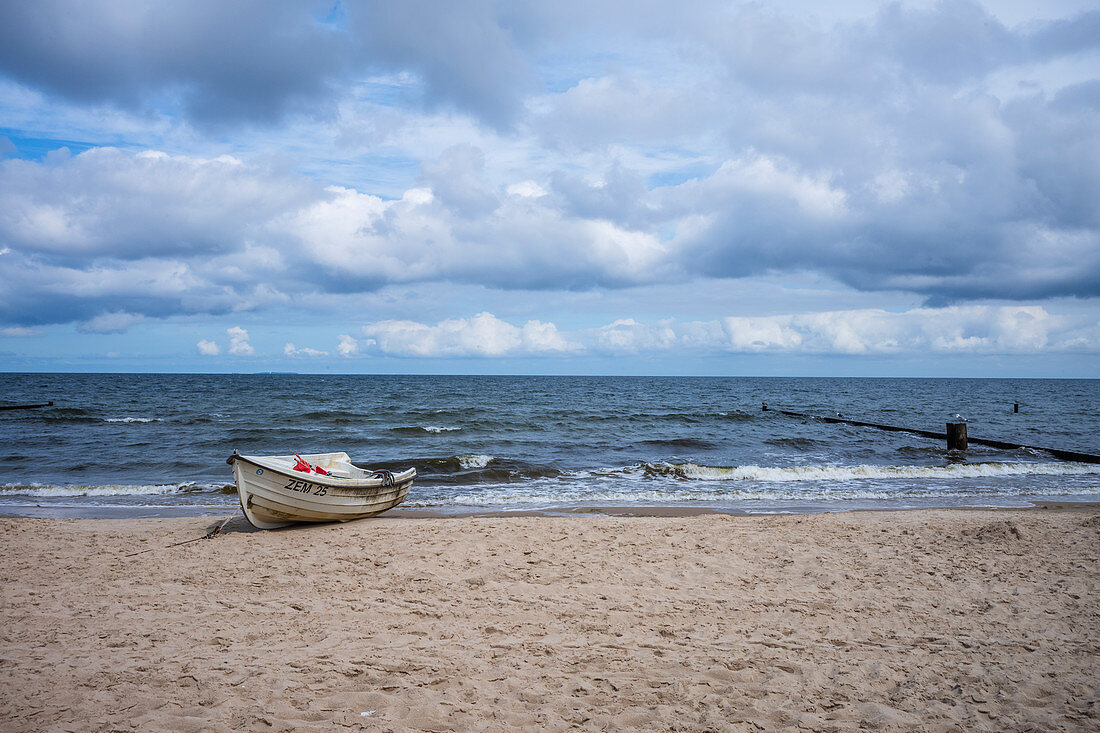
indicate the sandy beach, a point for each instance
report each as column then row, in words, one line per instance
column 934, row 620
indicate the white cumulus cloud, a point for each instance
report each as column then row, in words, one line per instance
column 292, row 350
column 951, row 330
column 238, row 342
column 19, row 331
column 208, row 348
column 347, row 346
column 481, row 335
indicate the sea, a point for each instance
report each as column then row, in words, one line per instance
column 156, row 444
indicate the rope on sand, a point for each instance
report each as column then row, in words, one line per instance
column 208, row 536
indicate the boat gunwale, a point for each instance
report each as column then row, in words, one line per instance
column 338, row 482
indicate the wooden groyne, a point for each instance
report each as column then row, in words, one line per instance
column 1065, row 455
column 26, row 407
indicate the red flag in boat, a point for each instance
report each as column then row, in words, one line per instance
column 302, row 465
column 320, row 470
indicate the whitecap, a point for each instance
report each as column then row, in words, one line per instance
column 57, row 491
column 850, row 473
column 475, row 461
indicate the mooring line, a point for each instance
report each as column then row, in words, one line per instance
column 208, row 536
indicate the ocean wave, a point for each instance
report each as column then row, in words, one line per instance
column 450, row 465
column 475, row 461
column 417, row 429
column 567, row 494
column 62, row 415
column 479, row 470
column 695, row 471
column 131, row 419
column 334, row 417
column 698, row 443
column 196, row 420
column 634, row 416
column 57, row 491
column 801, row 443
column 921, row 451
column 692, row 483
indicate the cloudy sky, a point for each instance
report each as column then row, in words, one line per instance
column 796, row 187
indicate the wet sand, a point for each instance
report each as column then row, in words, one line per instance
column 932, row 619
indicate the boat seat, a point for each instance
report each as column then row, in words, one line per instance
column 342, row 469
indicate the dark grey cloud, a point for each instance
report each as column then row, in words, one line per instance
column 251, row 60
column 999, row 231
column 621, row 196
column 948, row 43
column 464, row 52
column 256, row 60
column 456, row 180
column 1067, row 35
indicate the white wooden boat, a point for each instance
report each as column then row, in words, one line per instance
column 274, row 493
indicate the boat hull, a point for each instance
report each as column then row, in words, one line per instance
column 272, row 497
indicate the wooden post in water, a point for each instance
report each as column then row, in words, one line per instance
column 1016, row 406
column 956, row 436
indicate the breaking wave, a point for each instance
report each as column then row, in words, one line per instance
column 471, row 462
column 56, row 492
column 823, row 494
column 694, row 471
column 417, row 429
column 751, row 487
column 478, row 470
